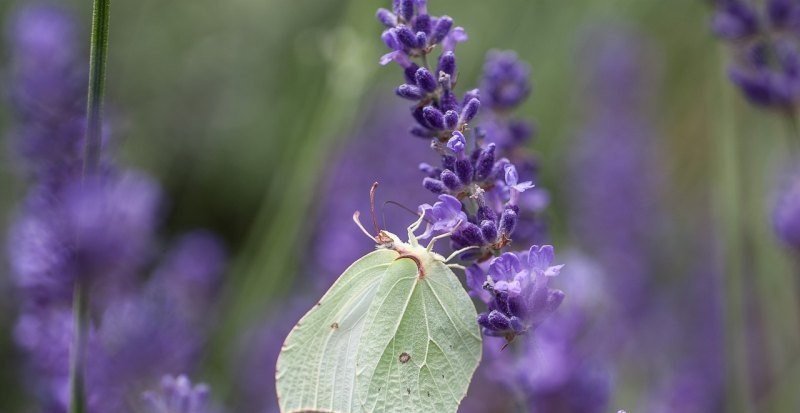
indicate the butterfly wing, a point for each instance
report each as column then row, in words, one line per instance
column 421, row 344
column 316, row 366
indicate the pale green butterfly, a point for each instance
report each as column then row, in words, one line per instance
column 395, row 333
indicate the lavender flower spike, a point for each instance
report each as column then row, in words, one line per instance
column 177, row 395
column 521, row 298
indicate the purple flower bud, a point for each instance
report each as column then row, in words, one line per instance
column 485, row 164
column 489, row 230
column 410, row 92
column 441, row 29
column 386, row 17
column 406, row 37
column 486, row 213
column 471, row 233
column 434, row 117
column 389, row 38
column 422, row 7
column 429, row 169
column 422, row 40
column 464, row 170
column 470, row 110
column 508, row 221
column 471, row 94
column 447, row 63
column 405, row 8
column 434, row 185
column 450, row 119
column 425, row 79
column 448, row 162
column 416, row 113
column 450, row 180
column 410, row 73
column 495, row 321
column 423, row 24
column 448, row 101
column 421, row 132
column 457, row 142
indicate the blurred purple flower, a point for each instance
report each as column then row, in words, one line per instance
column 615, row 170
column 259, row 355
column 139, row 337
column 336, row 241
column 178, row 395
column 48, row 93
column 59, row 237
column 786, row 211
column 766, row 62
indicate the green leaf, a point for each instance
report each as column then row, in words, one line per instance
column 395, row 333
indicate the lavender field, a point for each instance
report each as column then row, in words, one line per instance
column 253, row 206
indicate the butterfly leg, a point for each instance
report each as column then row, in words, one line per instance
column 457, row 267
column 459, row 252
column 413, row 228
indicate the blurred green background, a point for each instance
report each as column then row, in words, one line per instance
column 236, row 106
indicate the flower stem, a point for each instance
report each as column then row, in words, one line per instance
column 97, row 81
column 78, row 357
column 91, row 161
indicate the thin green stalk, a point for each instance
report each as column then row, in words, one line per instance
column 94, row 121
column 728, row 199
column 97, row 83
column 80, row 308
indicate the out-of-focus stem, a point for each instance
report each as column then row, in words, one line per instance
column 728, row 201
column 80, row 308
column 98, row 50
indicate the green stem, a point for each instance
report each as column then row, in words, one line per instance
column 94, row 122
column 78, row 357
column 97, row 82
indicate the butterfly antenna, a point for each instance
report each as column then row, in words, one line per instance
column 372, row 208
column 407, row 209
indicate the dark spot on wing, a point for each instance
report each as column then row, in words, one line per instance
column 404, row 357
column 429, row 393
column 335, row 326
column 408, row 390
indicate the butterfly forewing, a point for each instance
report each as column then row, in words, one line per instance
column 316, row 367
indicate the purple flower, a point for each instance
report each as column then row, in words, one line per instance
column 512, row 180
column 48, row 93
column 521, row 298
column 786, row 211
column 457, row 143
column 443, row 216
column 766, row 65
column 734, row 20
column 178, row 395
column 614, row 165
column 100, row 229
column 505, row 84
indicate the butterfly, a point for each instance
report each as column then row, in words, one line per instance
column 396, row 332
